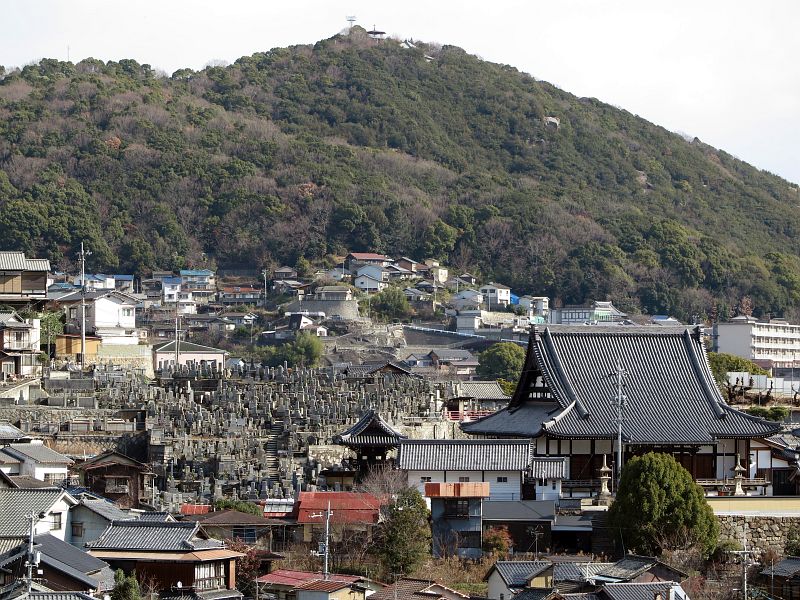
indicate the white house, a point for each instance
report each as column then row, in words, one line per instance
column 96, row 281
column 376, row 272
column 35, row 460
column 20, row 345
column 467, row 300
column 110, row 315
column 369, row 284
column 535, row 305
column 170, row 288
column 50, row 505
column 501, row 463
column 188, row 354
column 496, row 294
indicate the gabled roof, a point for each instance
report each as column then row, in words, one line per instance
column 196, row 273
column 368, row 256
column 231, row 518
column 153, row 536
column 111, row 457
column 549, row 467
column 630, row 567
column 106, row 509
column 464, row 455
column 16, row 503
column 188, row 348
column 9, row 433
column 417, row 589
column 672, row 398
column 322, row 585
column 637, row 591
column 481, row 390
column 38, row 453
column 517, row 573
column 16, row 261
column 787, row 567
column 519, row 510
column 371, row 368
column 288, row 577
column 371, row 430
column 347, row 507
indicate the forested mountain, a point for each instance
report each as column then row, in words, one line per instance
column 356, row 144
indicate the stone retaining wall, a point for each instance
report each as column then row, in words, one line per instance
column 760, row 532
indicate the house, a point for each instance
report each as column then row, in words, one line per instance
column 187, row 354
column 242, row 319
column 496, row 295
column 436, row 272
column 209, row 323
column 773, row 344
column 456, row 518
column 10, row 434
column 467, row 300
column 283, row 583
column 562, row 403
column 594, row 313
column 123, row 283
column 325, row 589
column 333, row 292
column 529, row 522
column 284, row 273
column 458, row 361
column 393, row 272
column 375, row 272
column 639, row 569
column 371, row 439
column 20, row 346
column 784, row 578
column 68, row 347
column 236, row 525
column 91, row 517
column 170, row 288
column 515, row 579
column 417, row 589
column 233, row 295
column 536, row 305
column 125, row 481
column 60, row 566
column 376, row 370
column 50, row 507
column 500, row 462
column 94, row 282
column 468, row 278
column 186, row 304
column 354, row 511
column 110, row 315
column 472, row 399
column 369, row 284
column 171, row 555
column 355, row 259
column 22, row 280
column 201, row 283
column 37, row 461
column 409, row 264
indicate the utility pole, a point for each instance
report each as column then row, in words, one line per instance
column 744, row 555
column 83, row 254
column 31, row 562
column 620, row 404
column 264, row 273
column 324, row 547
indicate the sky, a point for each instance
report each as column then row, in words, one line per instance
column 723, row 71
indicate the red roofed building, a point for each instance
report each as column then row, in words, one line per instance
column 358, row 259
column 351, row 510
column 195, row 509
column 283, row 582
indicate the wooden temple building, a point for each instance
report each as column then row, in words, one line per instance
column 371, row 439
column 568, row 402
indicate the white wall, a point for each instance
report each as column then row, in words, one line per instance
column 498, row 587
column 510, row 490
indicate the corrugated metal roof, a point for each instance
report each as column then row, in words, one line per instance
column 415, row 589
column 577, row 571
column 321, row 585
column 195, row 509
column 16, row 261
column 347, row 507
column 519, row 510
column 288, row 577
column 464, row 455
column 187, row 347
column 166, row 556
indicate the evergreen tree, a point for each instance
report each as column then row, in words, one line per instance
column 126, row 587
column 406, row 538
column 501, row 361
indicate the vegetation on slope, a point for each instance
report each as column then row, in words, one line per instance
column 305, row 152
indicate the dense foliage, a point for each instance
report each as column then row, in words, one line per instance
column 405, row 537
column 298, row 153
column 240, row 505
column 658, row 506
column 503, row 361
column 722, row 364
column 126, row 587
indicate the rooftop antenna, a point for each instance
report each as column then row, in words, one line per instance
column 350, row 19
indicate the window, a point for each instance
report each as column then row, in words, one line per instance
column 245, row 534
column 424, row 479
column 469, row 539
column 456, row 508
column 209, row 576
column 56, row 522
column 77, row 529
column 463, row 479
column 502, row 479
column 73, row 313
column 54, row 478
column 127, row 312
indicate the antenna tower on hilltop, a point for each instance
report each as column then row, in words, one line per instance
column 351, row 19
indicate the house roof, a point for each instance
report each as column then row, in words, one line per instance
column 16, row 503
column 671, row 394
column 231, row 518
column 632, row 566
column 370, row 430
column 464, row 455
column 196, row 273
column 481, row 390
column 332, row 289
column 534, row 594
column 111, row 457
column 517, row 573
column 106, row 509
column 498, row 286
column 63, row 553
column 188, row 348
column 577, row 571
column 549, row 467
column 452, row 354
column 370, row 368
column 195, row 509
column 9, row 433
column 637, row 591
column 288, row 577
column 368, row 256
column 153, row 536
column 278, row 507
column 784, row 568
column 347, row 507
column 38, row 453
column 322, row 585
column 16, row 261
column 416, row 589
column 519, row 510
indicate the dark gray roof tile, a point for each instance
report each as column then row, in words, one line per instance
column 464, row 455
column 152, row 535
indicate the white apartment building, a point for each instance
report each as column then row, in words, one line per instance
column 775, row 343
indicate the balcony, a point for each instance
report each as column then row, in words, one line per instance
column 18, row 345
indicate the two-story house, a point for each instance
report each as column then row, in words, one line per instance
column 20, row 345
column 175, row 557
column 456, row 518
column 241, row 295
column 110, row 315
column 356, row 259
column 496, row 295
column 37, row 461
column 50, row 507
column 170, row 288
column 200, row 282
column 22, row 280
column 118, row 477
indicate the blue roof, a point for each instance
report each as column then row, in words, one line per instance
column 123, row 277
column 514, row 299
column 199, row 272
column 97, row 277
column 171, row 280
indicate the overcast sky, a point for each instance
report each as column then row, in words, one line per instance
column 724, row 71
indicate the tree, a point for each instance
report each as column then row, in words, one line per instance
column 125, row 587
column 501, row 361
column 406, row 535
column 247, row 566
column 391, row 303
column 659, row 507
column 306, row 349
column 497, row 542
column 721, row 364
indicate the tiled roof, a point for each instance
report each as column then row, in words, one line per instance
column 16, row 503
column 637, row 591
column 154, row 536
column 671, row 394
column 525, row 421
column 106, row 509
column 464, row 455
column 288, row 577
column 16, row 261
column 481, row 390
column 628, row 568
column 9, row 432
column 371, row 430
column 785, row 568
column 415, row 589
column 66, row 554
column 54, row 596
column 156, row 516
column 452, row 354
column 28, row 482
column 347, row 507
column 232, row 518
column 572, row 571
column 549, row 467
column 533, row 594
column 39, row 453
column 517, row 573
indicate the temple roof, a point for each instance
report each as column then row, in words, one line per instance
column 371, row 430
column 567, row 389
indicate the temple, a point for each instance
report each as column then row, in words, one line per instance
column 578, row 381
column 371, row 438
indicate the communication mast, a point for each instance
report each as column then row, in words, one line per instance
column 376, row 34
column 350, row 19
